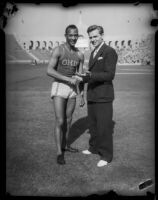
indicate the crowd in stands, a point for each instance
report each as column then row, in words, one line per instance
column 142, row 52
column 138, row 52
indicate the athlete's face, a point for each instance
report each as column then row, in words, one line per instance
column 71, row 37
column 95, row 38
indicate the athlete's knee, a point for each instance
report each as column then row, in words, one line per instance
column 69, row 119
column 59, row 122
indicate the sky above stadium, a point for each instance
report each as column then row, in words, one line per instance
column 51, row 19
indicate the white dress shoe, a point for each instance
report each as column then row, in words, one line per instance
column 86, row 152
column 102, row 163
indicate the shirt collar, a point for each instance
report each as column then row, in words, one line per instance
column 97, row 49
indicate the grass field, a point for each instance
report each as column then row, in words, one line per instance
column 31, row 167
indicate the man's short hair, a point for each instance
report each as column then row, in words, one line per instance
column 71, row 26
column 95, row 27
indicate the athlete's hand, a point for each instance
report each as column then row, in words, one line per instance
column 73, row 81
column 78, row 78
column 82, row 101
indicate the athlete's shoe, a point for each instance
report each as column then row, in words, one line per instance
column 87, row 152
column 60, row 159
column 102, row 163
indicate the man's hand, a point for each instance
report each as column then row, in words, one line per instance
column 80, row 75
column 75, row 80
column 85, row 77
column 78, row 78
column 88, row 73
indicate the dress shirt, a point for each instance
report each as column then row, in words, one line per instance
column 97, row 49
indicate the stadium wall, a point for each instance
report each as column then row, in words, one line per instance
column 135, row 51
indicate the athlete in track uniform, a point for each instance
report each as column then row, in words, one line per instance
column 65, row 62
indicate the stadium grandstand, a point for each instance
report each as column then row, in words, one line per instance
column 15, row 52
column 136, row 51
column 131, row 50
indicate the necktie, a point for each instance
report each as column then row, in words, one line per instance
column 94, row 54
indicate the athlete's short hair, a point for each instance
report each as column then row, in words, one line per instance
column 71, row 26
column 95, row 27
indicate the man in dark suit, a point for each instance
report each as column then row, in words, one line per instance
column 100, row 96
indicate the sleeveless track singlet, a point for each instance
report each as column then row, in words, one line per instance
column 68, row 62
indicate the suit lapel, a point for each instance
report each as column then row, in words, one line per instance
column 93, row 60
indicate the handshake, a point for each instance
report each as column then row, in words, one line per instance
column 82, row 77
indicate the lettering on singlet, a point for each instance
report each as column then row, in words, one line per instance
column 69, row 62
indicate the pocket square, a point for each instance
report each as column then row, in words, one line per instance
column 100, row 58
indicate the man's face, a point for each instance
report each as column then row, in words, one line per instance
column 95, row 38
column 72, row 37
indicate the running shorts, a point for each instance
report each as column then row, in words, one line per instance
column 63, row 90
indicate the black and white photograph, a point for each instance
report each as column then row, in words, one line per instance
column 80, row 99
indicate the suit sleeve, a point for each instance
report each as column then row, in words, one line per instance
column 109, row 73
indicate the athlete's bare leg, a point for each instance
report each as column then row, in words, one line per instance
column 69, row 112
column 60, row 110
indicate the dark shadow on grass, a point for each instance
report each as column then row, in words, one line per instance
column 77, row 129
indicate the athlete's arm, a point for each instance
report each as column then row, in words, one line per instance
column 52, row 72
column 80, row 70
column 81, row 85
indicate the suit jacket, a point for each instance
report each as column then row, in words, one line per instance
column 102, row 67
